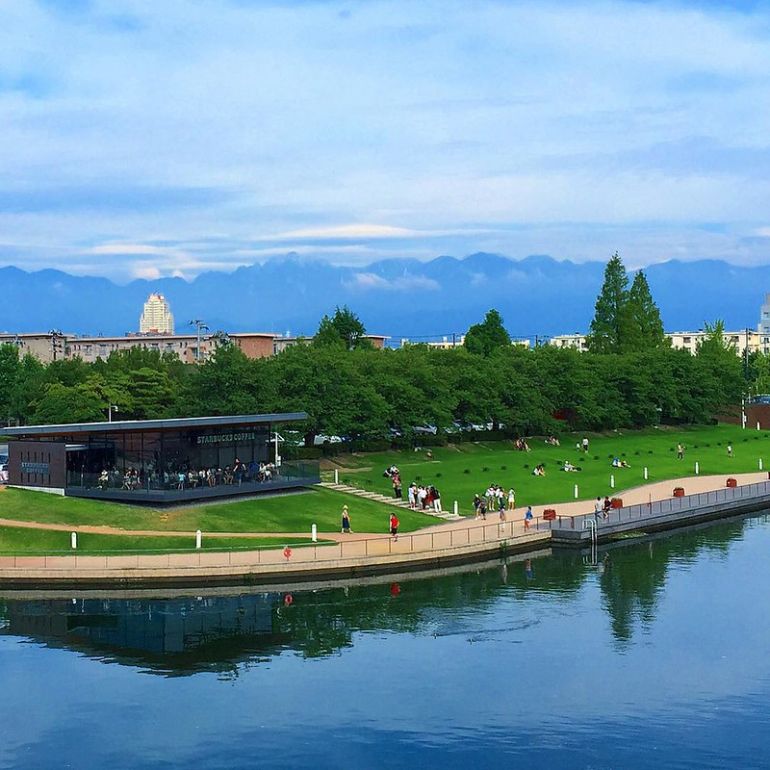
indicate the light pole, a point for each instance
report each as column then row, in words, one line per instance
column 112, row 408
column 199, row 326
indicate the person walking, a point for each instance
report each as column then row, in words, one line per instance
column 394, row 526
column 346, row 521
column 528, row 516
column 585, row 444
column 511, row 499
column 436, row 500
column 729, row 449
column 680, row 451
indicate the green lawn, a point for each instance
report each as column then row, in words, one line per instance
column 24, row 541
column 462, row 470
column 284, row 513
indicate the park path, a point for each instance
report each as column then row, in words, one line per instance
column 651, row 492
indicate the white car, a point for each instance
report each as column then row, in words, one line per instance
column 425, row 430
column 322, row 439
column 3, row 474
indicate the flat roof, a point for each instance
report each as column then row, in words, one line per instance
column 124, row 426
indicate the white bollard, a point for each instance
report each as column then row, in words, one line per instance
column 576, row 491
column 456, row 508
column 760, row 463
column 198, row 539
column 758, row 428
column 314, row 533
column 697, row 468
column 645, row 473
column 612, row 481
column 336, row 476
column 74, row 540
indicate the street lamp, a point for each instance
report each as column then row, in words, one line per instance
column 199, row 326
column 112, row 408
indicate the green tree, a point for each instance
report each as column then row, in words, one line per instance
column 490, row 335
column 69, row 403
column 345, row 327
column 9, row 374
column 645, row 325
column 610, row 322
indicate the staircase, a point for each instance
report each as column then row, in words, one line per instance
column 348, row 490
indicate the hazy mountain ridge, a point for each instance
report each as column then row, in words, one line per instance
column 400, row 297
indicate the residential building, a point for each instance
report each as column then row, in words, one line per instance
column 280, row 343
column 156, row 317
column 577, row 341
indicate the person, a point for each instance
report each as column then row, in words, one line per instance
column 569, row 467
column 436, row 500
column 539, row 470
column 584, row 442
column 680, row 451
column 483, row 509
column 476, row 504
column 394, row 526
column 397, row 486
column 104, row 479
column 598, row 508
column 501, row 503
column 729, row 450
column 528, row 516
column 607, row 506
column 346, row 521
column 511, row 499
column 410, row 495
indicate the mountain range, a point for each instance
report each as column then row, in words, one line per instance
column 537, row 295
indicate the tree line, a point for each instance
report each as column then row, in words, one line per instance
column 629, row 378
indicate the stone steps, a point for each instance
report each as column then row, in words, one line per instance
column 376, row 497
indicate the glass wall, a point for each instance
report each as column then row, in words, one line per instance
column 174, row 460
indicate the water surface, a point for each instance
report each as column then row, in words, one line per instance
column 655, row 657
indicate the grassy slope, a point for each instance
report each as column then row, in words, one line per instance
column 287, row 513
column 18, row 540
column 508, row 467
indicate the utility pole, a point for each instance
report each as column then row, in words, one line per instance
column 56, row 337
column 199, row 326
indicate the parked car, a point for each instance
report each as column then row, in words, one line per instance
column 4, row 473
column 425, row 430
column 322, row 439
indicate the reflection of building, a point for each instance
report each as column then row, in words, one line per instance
column 156, row 316
column 170, row 635
column 156, row 460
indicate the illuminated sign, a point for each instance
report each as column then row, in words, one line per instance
column 226, row 438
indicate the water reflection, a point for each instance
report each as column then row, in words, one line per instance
column 182, row 636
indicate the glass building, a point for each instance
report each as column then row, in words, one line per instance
column 157, row 460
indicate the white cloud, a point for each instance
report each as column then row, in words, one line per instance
column 366, row 281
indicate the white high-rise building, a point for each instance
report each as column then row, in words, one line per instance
column 156, row 316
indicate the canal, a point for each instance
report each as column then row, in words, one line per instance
column 653, row 656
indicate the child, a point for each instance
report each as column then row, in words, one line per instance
column 528, row 516
column 394, row 526
column 346, row 521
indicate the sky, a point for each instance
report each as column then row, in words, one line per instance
column 144, row 139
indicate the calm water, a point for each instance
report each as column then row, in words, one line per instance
column 658, row 657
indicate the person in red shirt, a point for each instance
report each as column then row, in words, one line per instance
column 394, row 526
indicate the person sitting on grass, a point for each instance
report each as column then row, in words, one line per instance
column 569, row 467
column 618, row 463
column 553, row 441
column 539, row 470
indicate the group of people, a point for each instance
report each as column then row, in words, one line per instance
column 494, row 499
column 421, row 497
column 521, row 445
column 186, row 478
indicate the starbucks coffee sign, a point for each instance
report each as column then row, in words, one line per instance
column 226, row 438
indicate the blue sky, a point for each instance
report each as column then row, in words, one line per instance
column 143, row 138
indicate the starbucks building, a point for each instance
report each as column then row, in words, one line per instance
column 158, row 461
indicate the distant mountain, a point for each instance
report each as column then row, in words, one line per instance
column 400, row 297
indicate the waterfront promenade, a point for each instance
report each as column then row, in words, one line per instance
column 358, row 554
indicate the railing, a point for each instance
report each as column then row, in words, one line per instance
column 645, row 511
column 493, row 534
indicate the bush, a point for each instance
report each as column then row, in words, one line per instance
column 503, row 467
column 485, row 469
column 438, row 475
column 467, row 470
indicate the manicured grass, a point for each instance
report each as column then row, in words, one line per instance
column 282, row 513
column 22, row 540
column 465, row 469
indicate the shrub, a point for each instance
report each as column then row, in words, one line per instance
column 485, row 469
column 503, row 467
column 467, row 470
column 438, row 475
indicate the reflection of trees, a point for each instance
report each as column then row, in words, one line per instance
column 634, row 575
column 223, row 634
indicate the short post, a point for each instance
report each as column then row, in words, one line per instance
column 645, row 473
column 758, row 428
column 760, row 463
column 336, row 476
column 74, row 541
column 314, row 533
column 198, row 539
column 576, row 491
column 612, row 481
column 697, row 468
column 456, row 508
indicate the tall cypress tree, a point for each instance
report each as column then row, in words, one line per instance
column 610, row 323
column 645, row 327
